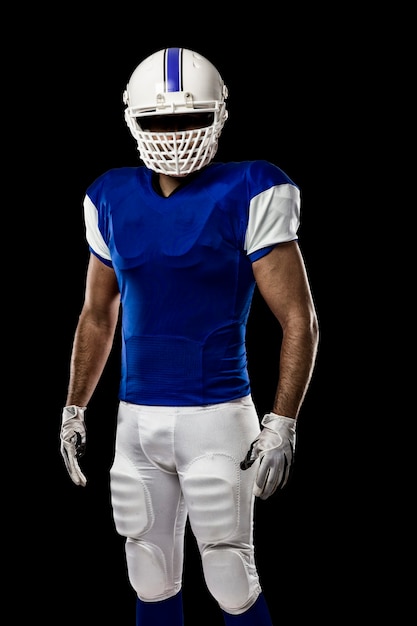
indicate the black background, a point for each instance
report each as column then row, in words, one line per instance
column 285, row 93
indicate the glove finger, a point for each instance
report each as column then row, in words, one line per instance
column 272, row 477
column 70, row 459
column 266, row 481
column 284, row 470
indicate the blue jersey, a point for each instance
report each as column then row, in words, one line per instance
column 184, row 269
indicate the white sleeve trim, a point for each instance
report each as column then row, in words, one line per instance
column 94, row 237
column 274, row 217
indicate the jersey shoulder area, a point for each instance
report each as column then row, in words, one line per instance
column 119, row 177
column 256, row 173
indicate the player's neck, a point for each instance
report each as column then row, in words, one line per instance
column 168, row 184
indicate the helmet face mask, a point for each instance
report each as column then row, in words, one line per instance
column 176, row 111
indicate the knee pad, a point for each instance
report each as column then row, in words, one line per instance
column 232, row 582
column 132, row 508
column 147, row 571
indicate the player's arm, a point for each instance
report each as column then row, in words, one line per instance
column 92, row 344
column 95, row 330
column 282, row 281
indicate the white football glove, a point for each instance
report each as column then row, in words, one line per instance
column 274, row 447
column 73, row 440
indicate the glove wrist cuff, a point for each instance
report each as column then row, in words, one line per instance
column 273, row 421
column 75, row 406
column 72, row 410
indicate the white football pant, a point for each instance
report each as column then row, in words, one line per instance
column 171, row 462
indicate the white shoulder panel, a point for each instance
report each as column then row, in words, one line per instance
column 94, row 237
column 274, row 217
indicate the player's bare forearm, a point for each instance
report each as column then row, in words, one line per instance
column 91, row 348
column 297, row 361
column 282, row 280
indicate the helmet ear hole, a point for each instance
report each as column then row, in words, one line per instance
column 176, row 90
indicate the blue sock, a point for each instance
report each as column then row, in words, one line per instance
column 161, row 613
column 257, row 615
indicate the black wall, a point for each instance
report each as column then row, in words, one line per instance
column 283, row 89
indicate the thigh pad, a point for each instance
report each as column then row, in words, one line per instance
column 211, row 491
column 131, row 502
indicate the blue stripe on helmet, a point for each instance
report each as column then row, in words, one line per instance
column 173, row 69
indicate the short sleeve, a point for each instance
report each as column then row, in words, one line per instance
column 274, row 217
column 94, row 238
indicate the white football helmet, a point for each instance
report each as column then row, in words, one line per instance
column 175, row 81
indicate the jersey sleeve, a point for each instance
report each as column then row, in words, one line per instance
column 274, row 217
column 94, row 237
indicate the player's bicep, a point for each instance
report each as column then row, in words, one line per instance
column 102, row 294
column 282, row 281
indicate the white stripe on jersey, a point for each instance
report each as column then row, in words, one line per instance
column 266, row 227
column 93, row 234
